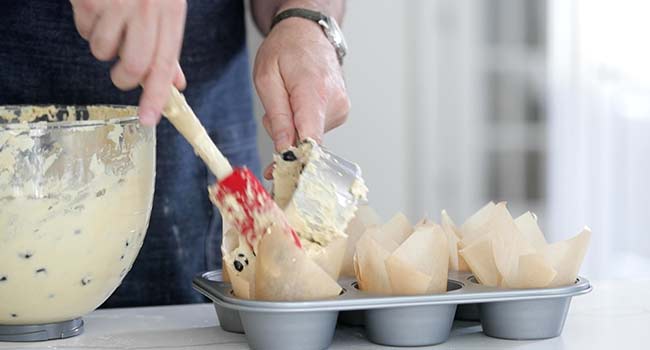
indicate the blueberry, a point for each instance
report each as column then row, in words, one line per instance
column 289, row 156
column 238, row 265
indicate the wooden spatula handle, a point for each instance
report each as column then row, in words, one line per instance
column 179, row 113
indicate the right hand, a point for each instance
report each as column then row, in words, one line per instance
column 147, row 36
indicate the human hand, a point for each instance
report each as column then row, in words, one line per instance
column 147, row 36
column 300, row 84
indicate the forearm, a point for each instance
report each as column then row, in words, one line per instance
column 264, row 10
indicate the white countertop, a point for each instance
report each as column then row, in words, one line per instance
column 615, row 315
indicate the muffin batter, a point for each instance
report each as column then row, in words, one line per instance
column 318, row 217
column 75, row 208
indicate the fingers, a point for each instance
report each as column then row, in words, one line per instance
column 107, row 33
column 275, row 99
column 320, row 103
column 164, row 68
column 85, row 15
column 337, row 110
column 147, row 36
column 309, row 103
column 268, row 172
column 137, row 49
column 267, row 125
column 179, row 79
column 316, row 108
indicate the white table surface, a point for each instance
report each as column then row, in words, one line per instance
column 615, row 315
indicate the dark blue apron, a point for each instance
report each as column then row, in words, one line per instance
column 43, row 60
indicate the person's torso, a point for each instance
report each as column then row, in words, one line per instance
column 44, row 60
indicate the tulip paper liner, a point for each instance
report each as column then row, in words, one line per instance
column 332, row 259
column 513, row 253
column 364, row 218
column 279, row 271
column 399, row 259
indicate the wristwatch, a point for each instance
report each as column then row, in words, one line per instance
column 328, row 24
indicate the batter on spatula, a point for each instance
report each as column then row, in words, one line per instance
column 318, row 191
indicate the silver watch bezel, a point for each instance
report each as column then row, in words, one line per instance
column 335, row 36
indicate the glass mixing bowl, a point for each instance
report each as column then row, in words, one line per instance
column 76, row 190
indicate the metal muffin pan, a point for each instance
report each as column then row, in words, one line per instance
column 520, row 314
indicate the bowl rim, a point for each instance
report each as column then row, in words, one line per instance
column 45, row 125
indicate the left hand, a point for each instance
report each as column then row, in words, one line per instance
column 147, row 36
column 300, row 83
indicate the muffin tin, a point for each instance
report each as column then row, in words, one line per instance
column 520, row 314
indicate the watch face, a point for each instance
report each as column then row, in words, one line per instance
column 335, row 35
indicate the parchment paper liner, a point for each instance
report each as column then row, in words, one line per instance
column 329, row 258
column 364, row 218
column 283, row 272
column 279, row 272
column 513, row 253
column 392, row 259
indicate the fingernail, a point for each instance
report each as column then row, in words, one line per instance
column 268, row 172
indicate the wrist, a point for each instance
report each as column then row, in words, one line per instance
column 328, row 26
column 327, row 7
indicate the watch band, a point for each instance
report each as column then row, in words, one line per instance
column 297, row 12
column 328, row 25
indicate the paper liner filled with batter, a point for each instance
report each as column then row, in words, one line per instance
column 280, row 271
column 285, row 273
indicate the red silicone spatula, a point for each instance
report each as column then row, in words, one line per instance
column 238, row 194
